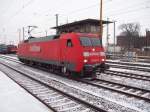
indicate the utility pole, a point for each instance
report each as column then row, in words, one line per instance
column 5, row 39
column 23, row 33
column 67, row 20
column 147, row 42
column 56, row 22
column 101, row 16
column 107, row 40
column 19, row 30
column 4, row 36
column 114, row 37
column 46, row 32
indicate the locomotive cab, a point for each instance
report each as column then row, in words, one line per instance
column 93, row 54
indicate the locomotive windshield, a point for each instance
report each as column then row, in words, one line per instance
column 90, row 41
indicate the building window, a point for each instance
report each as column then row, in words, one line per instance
column 93, row 29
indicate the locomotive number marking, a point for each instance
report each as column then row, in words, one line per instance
column 94, row 54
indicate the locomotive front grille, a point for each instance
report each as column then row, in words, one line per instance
column 94, row 68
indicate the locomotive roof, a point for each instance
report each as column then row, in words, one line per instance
column 52, row 37
column 46, row 38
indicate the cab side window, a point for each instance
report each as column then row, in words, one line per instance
column 69, row 43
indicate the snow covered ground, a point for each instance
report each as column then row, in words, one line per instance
column 15, row 99
column 110, row 96
column 132, row 62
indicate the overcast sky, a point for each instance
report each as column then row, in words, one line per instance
column 15, row 14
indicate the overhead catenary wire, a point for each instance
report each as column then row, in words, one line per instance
column 117, row 13
column 128, row 11
column 70, row 13
column 81, row 10
column 137, row 4
column 7, row 9
column 67, row 14
column 19, row 11
column 92, row 6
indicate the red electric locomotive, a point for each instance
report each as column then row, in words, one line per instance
column 70, row 53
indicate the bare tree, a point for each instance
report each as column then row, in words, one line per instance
column 130, row 31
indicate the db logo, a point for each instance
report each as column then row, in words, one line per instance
column 35, row 48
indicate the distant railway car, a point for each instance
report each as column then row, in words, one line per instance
column 3, row 48
column 71, row 53
column 11, row 49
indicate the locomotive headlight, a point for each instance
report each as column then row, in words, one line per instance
column 85, row 60
column 93, row 49
column 85, row 54
column 102, row 53
column 103, row 59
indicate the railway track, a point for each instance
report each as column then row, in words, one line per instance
column 128, row 75
column 121, row 87
column 112, row 89
column 139, row 93
column 129, row 67
column 107, row 72
column 13, row 58
column 127, row 63
column 56, row 100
